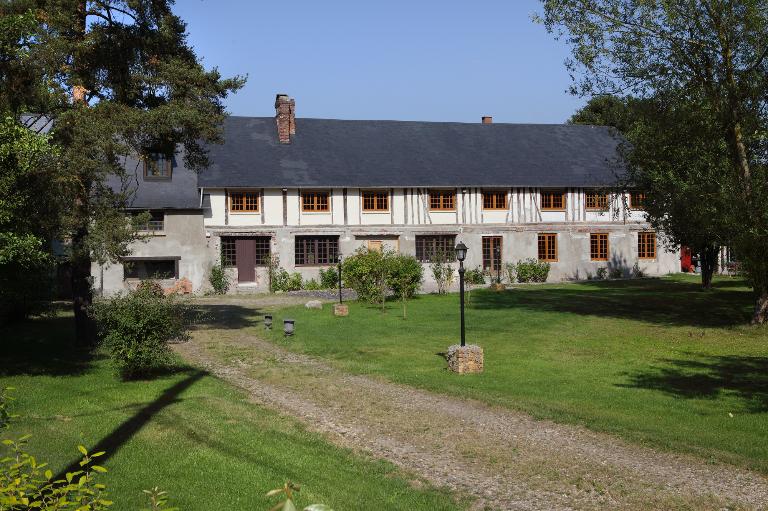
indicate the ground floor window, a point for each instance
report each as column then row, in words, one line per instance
column 429, row 248
column 598, row 246
column 491, row 253
column 547, row 246
column 151, row 269
column 229, row 249
column 646, row 245
column 317, row 250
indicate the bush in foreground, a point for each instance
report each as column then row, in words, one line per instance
column 136, row 329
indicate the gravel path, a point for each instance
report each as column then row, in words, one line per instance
column 499, row 458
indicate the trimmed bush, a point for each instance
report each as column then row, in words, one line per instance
column 283, row 281
column 136, row 329
column 531, row 270
column 366, row 272
column 329, row 278
column 311, row 285
column 219, row 279
column 602, row 273
column 476, row 277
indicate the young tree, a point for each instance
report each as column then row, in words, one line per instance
column 111, row 78
column 404, row 277
column 673, row 157
column 714, row 52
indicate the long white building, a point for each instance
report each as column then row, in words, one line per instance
column 308, row 190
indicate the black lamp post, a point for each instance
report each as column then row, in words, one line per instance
column 339, row 265
column 461, row 254
column 497, row 253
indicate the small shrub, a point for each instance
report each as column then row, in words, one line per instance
column 329, row 278
column 442, row 272
column 5, row 412
column 637, row 273
column 312, row 285
column 136, row 329
column 366, row 272
column 287, row 493
column 404, row 276
column 219, row 279
column 476, row 277
column 616, row 273
column 150, row 287
column 602, row 273
column 281, row 280
column 531, row 270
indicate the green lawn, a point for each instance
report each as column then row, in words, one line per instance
column 656, row 361
column 187, row 432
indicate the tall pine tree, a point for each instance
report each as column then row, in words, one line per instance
column 110, row 78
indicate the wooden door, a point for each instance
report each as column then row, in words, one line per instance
column 492, row 255
column 245, row 248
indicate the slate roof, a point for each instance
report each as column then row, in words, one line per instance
column 180, row 192
column 343, row 153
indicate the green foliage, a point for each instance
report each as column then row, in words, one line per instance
column 311, row 285
column 219, row 279
column 136, row 329
column 366, row 272
column 5, row 412
column 150, row 287
column 329, row 278
column 26, row 276
column 511, row 272
column 475, row 276
column 27, row 484
column 442, row 271
column 158, row 500
column 532, row 270
column 637, row 273
column 283, row 281
column 602, row 273
column 404, row 276
column 286, row 492
column 616, row 272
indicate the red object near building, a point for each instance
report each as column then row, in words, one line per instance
column 686, row 264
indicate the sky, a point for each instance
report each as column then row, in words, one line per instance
column 422, row 60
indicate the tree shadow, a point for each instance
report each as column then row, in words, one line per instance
column 650, row 300
column 43, row 346
column 227, row 316
column 708, row 378
column 125, row 431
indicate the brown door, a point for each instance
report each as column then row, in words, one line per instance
column 245, row 248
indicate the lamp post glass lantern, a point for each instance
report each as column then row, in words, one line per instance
column 461, row 254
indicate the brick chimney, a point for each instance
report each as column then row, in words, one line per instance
column 286, row 118
column 487, row 119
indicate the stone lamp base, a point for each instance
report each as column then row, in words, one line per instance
column 498, row 287
column 465, row 359
column 340, row 309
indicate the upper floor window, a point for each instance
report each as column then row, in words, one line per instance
column 375, row 201
column 244, row 202
column 157, row 166
column 442, row 200
column 547, row 246
column 637, row 200
column 316, row 250
column 595, row 200
column 155, row 223
column 430, row 248
column 598, row 246
column 314, row 201
column 553, row 200
column 495, row 200
column 646, row 245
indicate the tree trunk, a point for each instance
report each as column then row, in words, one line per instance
column 82, row 297
column 760, row 317
column 708, row 265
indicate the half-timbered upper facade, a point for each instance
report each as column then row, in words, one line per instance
column 305, row 191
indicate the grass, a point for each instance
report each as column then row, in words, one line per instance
column 656, row 361
column 184, row 431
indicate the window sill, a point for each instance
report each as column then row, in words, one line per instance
column 152, row 233
column 375, row 211
column 326, row 212
column 244, row 212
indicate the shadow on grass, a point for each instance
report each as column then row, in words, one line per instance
column 125, row 431
column 702, row 378
column 666, row 302
column 228, row 316
column 43, row 346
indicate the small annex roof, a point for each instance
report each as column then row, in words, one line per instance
column 343, row 153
